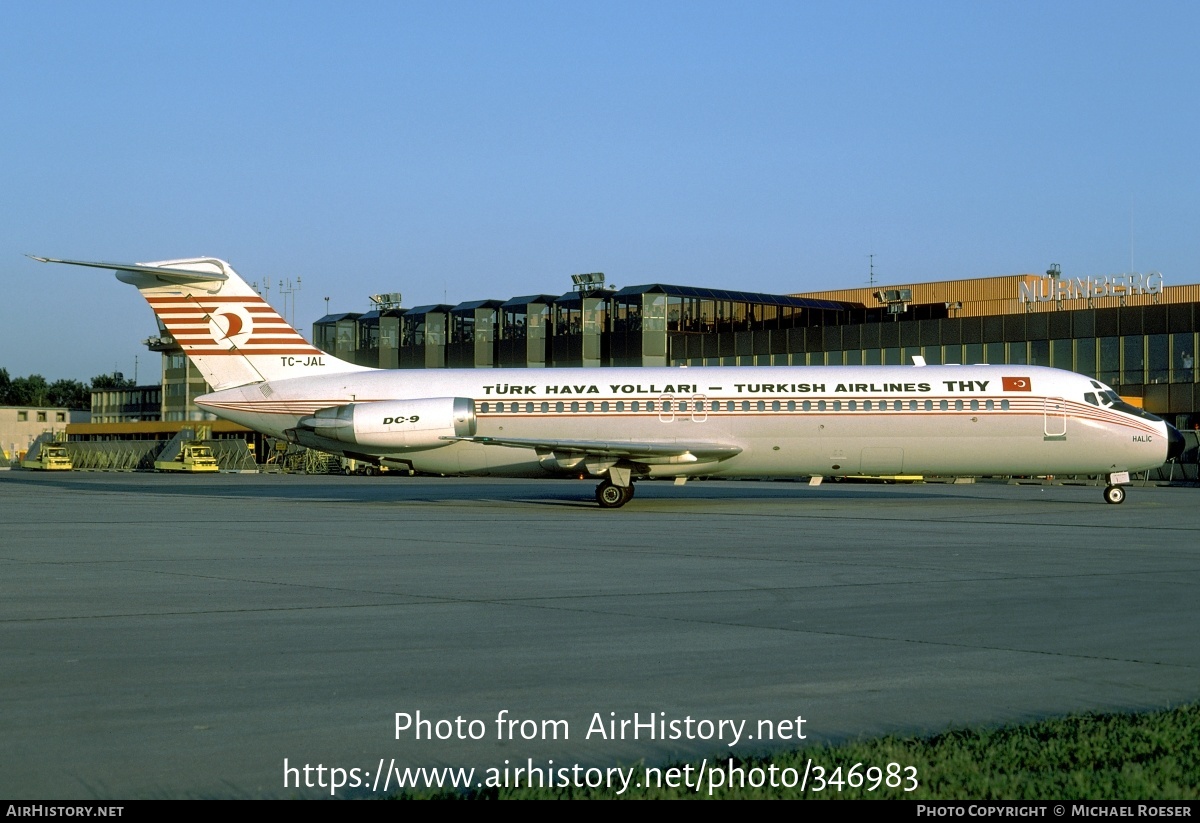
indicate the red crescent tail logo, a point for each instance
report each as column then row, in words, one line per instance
column 231, row 327
column 233, row 324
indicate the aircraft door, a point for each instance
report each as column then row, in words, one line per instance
column 1055, row 418
column 472, row 458
column 666, row 412
column 882, row 460
column 683, row 409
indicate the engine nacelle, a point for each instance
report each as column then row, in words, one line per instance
column 395, row 424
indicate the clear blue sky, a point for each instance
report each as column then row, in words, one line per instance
column 458, row 151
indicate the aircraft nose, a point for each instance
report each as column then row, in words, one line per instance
column 1175, row 442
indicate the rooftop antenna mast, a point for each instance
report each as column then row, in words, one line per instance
column 871, row 279
column 287, row 289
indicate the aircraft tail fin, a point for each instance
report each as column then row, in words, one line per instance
column 225, row 328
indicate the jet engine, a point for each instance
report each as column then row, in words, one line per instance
column 393, row 424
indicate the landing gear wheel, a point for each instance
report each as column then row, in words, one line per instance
column 1114, row 494
column 611, row 496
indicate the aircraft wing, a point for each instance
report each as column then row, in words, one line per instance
column 647, row 452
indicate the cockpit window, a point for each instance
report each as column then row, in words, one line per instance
column 1091, row 398
column 1111, row 400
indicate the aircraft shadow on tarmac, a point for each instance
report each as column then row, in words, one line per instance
column 541, row 492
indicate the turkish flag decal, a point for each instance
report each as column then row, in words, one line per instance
column 1016, row 383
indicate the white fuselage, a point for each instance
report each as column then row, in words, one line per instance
column 624, row 423
column 786, row 420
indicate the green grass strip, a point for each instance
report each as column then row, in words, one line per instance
column 1148, row 756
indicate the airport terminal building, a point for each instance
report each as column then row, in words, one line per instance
column 20, row 426
column 1131, row 331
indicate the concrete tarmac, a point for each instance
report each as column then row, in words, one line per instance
column 173, row 637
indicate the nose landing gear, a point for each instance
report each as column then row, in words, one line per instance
column 1114, row 491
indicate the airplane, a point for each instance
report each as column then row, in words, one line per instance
column 627, row 424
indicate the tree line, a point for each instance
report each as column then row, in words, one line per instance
column 35, row 390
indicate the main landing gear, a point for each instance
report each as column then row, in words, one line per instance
column 611, row 496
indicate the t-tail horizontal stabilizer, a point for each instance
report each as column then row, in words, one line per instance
column 226, row 329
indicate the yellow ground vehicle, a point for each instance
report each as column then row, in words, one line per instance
column 886, row 478
column 47, row 456
column 193, row 456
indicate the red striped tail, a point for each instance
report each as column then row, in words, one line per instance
column 226, row 329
